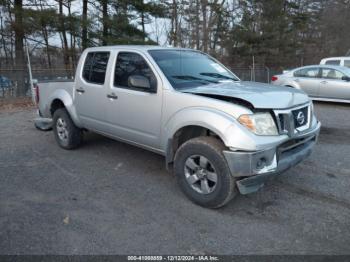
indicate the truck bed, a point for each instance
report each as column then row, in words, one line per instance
column 49, row 90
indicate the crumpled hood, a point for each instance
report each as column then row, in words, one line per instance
column 258, row 94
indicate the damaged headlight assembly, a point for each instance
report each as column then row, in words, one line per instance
column 261, row 124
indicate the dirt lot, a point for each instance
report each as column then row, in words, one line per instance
column 112, row 198
column 15, row 104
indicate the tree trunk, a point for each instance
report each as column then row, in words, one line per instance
column 84, row 25
column 72, row 38
column 64, row 35
column 19, row 46
column 3, row 41
column 104, row 22
column 197, row 24
column 204, row 25
column 143, row 25
column 9, row 8
column 174, row 25
column 46, row 37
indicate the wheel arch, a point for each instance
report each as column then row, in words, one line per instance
column 62, row 99
column 193, row 122
column 56, row 104
column 186, row 133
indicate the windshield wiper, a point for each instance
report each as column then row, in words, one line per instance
column 189, row 77
column 219, row 76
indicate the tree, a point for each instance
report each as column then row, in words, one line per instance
column 105, row 22
column 19, row 46
column 278, row 33
column 63, row 34
column 84, row 25
column 147, row 11
column 41, row 23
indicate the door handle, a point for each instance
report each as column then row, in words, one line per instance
column 324, row 82
column 297, row 80
column 112, row 96
column 80, row 90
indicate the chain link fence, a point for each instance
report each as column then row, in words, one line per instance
column 10, row 79
column 256, row 74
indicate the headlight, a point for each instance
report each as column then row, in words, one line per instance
column 260, row 124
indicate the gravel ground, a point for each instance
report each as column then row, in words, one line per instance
column 111, row 198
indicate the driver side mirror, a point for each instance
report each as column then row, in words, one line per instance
column 346, row 78
column 139, row 81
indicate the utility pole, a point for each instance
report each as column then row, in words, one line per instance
column 31, row 84
column 253, row 68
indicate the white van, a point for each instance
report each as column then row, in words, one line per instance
column 340, row 61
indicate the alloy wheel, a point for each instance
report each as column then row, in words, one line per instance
column 200, row 174
column 62, row 130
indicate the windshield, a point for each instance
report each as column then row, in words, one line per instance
column 186, row 68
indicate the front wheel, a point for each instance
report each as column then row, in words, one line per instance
column 202, row 172
column 67, row 134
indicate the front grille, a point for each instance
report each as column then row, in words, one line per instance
column 283, row 123
column 293, row 121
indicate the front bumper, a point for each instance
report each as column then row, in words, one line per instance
column 254, row 168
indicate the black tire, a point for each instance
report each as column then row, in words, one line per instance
column 212, row 150
column 73, row 137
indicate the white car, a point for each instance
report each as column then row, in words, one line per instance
column 339, row 61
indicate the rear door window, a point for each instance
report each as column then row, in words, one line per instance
column 95, row 67
column 333, row 62
column 347, row 63
column 87, row 66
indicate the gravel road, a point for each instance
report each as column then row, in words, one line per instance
column 111, row 198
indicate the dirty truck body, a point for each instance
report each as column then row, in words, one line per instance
column 220, row 135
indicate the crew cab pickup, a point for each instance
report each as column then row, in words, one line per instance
column 221, row 136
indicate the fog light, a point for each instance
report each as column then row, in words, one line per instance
column 261, row 163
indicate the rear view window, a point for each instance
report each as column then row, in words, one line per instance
column 333, row 62
column 307, row 72
column 95, row 67
column 347, row 63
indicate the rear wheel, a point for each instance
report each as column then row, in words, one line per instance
column 203, row 173
column 67, row 134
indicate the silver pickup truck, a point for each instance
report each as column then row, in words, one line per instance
column 220, row 135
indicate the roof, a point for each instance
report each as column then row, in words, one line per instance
column 336, row 67
column 338, row 57
column 134, row 47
